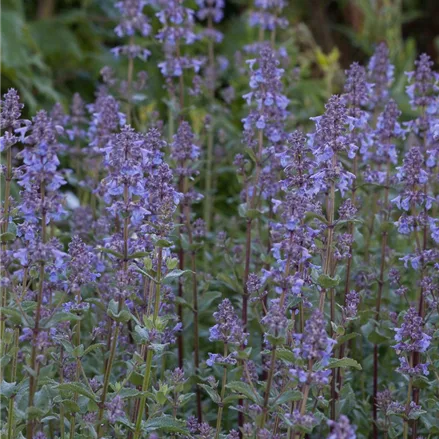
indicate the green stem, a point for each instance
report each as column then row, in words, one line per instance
column 150, row 353
column 61, row 408
column 78, row 366
column 33, row 380
column 130, row 81
column 11, row 416
column 268, row 388
column 106, row 381
column 3, row 299
column 208, row 203
column 327, row 268
column 223, row 391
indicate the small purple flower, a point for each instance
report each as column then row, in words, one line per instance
column 314, row 344
column 410, row 335
column 115, row 409
column 228, row 328
column 342, row 429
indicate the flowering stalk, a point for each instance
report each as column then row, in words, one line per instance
column 33, row 378
column 186, row 153
column 10, row 121
column 387, row 128
column 106, row 381
column 150, row 352
column 11, row 414
column 219, row 415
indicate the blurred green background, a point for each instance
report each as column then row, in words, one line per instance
column 52, row 48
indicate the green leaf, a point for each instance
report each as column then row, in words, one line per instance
column 111, row 252
column 183, row 302
column 163, row 243
column 13, row 314
column 7, row 389
column 344, row 362
column 207, row 299
column 7, row 237
column 171, row 263
column 113, row 311
column 244, row 389
column 139, row 270
column 288, row 396
column 175, row 274
column 128, row 393
column 78, row 388
column 138, row 255
column 344, row 338
column 285, row 355
column 60, row 317
column 326, row 281
column 5, row 360
column 166, row 424
column 214, row 396
column 376, row 337
column 245, row 212
column 276, row 340
column 313, row 215
column 92, row 348
column 70, row 406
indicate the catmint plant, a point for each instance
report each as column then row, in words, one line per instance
column 283, row 286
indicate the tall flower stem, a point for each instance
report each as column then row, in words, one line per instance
column 150, row 353
column 11, row 414
column 194, row 304
column 384, row 236
column 3, row 299
column 407, row 405
column 250, row 205
column 327, row 268
column 248, row 243
column 223, row 391
column 78, row 365
column 33, row 379
column 106, row 381
column 268, row 388
column 109, row 364
column 208, row 203
column 273, row 352
column 130, row 82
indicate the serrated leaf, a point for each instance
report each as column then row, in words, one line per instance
column 163, row 243
column 138, row 255
column 13, row 314
column 344, row 338
column 208, row 298
column 343, row 362
column 175, row 274
column 128, row 393
column 111, row 252
column 285, row 355
column 70, row 405
column 60, row 317
column 183, row 302
column 122, row 316
column 214, row 396
column 288, row 396
column 92, row 348
column 5, row 360
column 7, row 389
column 78, row 388
column 376, row 337
column 165, row 424
column 244, row 389
column 7, row 237
column 326, row 281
